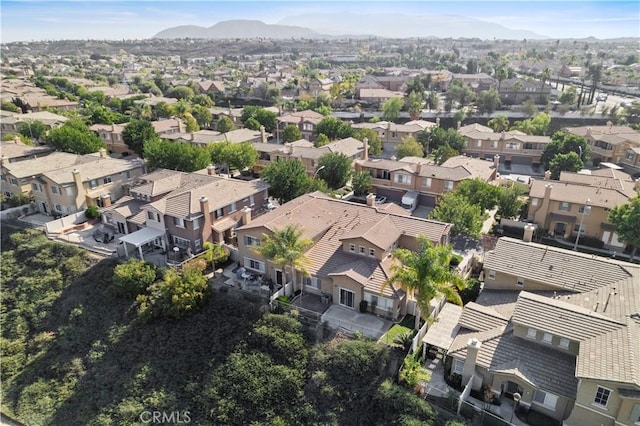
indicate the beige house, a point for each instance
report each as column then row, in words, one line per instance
column 351, row 255
column 393, row 178
column 9, row 123
column 306, row 121
column 571, row 353
column 308, row 154
column 111, row 135
column 391, row 134
column 559, row 206
column 608, row 143
column 15, row 150
column 631, row 161
column 513, row 147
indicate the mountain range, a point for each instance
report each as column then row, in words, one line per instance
column 330, row 25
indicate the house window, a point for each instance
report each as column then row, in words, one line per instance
column 153, row 216
column 547, row 338
column 576, row 228
column 219, row 213
column 582, row 210
column 232, row 207
column 635, row 414
column 479, row 143
column 251, row 241
column 196, row 223
column 69, row 191
column 448, row 185
column 531, row 333
column 534, row 202
column 60, row 208
column 128, row 174
column 36, row 187
column 197, row 245
column 494, row 144
column 492, row 275
column 56, row 190
column 106, row 180
column 372, row 252
column 352, row 248
column 181, row 242
column 179, row 222
column 602, row 396
column 457, row 366
column 547, row 400
column 312, row 282
column 13, row 181
column 564, row 343
column 347, row 298
column 252, row 200
column 252, row 264
column 520, row 282
column 427, row 183
column 307, row 126
column 3, row 178
column 93, row 183
column 362, row 250
column 564, row 206
column 403, row 179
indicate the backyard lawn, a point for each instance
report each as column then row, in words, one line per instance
column 405, row 325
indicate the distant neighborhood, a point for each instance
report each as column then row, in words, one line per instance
column 513, row 170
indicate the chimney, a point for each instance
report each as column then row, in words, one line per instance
column 211, row 170
column 588, row 131
column 437, row 121
column 5, row 161
column 106, row 200
column 206, row 226
column 103, row 153
column 502, row 135
column 365, row 154
column 458, row 123
column 263, row 135
column 418, row 168
column 469, row 369
column 371, row 200
column 528, row 233
column 547, row 192
column 246, row 215
column 547, row 175
column 80, row 200
column 496, row 161
column 180, row 125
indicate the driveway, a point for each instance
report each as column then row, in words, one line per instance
column 422, row 212
column 352, row 321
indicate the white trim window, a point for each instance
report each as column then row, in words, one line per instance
column 107, row 180
column 547, row 338
column 179, row 222
column 491, row 275
column 347, row 298
column 426, row 182
column 457, row 367
column 448, row 185
column 352, row 248
column 312, row 282
column 36, row 187
column 403, row 179
column 564, row 205
column 253, row 264
column 93, row 183
column 181, row 242
column 251, row 241
column 534, row 202
column 532, row 333
column 546, row 399
column 362, row 250
column 196, row 223
column 520, row 282
column 13, row 181
column 56, row 190
column 602, row 397
column 564, row 343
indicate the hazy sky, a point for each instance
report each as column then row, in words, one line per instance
column 56, row 20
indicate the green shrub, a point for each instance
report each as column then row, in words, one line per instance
column 92, row 212
column 133, row 277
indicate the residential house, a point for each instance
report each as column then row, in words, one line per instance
column 9, row 123
column 185, row 210
column 631, row 161
column 212, row 87
column 306, row 121
column 515, row 91
column 513, row 147
column 561, row 206
column 377, row 97
column 571, row 353
column 608, row 143
column 15, row 150
column 477, row 82
column 391, row 134
column 39, row 103
column 350, row 259
column 308, row 154
column 393, row 178
column 111, row 135
column 569, row 71
column 319, row 85
column 203, row 138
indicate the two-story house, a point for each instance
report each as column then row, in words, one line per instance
column 561, row 206
column 631, row 161
column 569, row 354
column 308, row 154
column 515, row 91
column 477, row 82
column 10, row 122
column 608, row 143
column 350, row 259
column 393, row 178
column 15, row 150
column 513, row 147
column 185, row 210
column 306, row 121
column 391, row 134
column 111, row 135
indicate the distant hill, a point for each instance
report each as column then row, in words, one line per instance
column 238, row 28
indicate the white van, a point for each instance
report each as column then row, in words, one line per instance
column 410, row 200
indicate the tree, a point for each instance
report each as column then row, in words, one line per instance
column 181, row 294
column 9, row 106
column 538, row 125
column 472, row 66
column 321, row 140
column 478, row 192
column 569, row 162
column 509, row 201
column 181, row 92
column 443, row 153
column 202, row 100
column 563, row 143
column 544, row 77
column 437, row 137
column 414, row 105
column 33, row 128
column 190, row 123
column 334, row 128
column 137, row 133
column 291, row 133
column 287, row 179
column 225, row 124
column 266, row 118
column 499, row 123
column 488, row 101
column 287, row 247
column 75, row 137
column 175, row 156
column 432, row 101
column 460, row 115
column 426, row 274
column 391, row 109
column 373, row 140
column 501, row 74
column 242, row 156
column 626, row 217
column 133, row 277
column 465, row 217
column 202, row 116
column 409, row 148
column 335, row 168
column 361, row 183
column 569, row 96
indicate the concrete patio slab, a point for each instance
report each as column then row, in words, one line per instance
column 352, row 321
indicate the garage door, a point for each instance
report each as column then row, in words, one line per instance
column 392, row 195
column 521, row 160
column 427, row 200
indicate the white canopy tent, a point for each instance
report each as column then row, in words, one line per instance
column 140, row 238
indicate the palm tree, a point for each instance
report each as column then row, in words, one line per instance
column 287, row 247
column 544, row 77
column 426, row 273
column 501, row 74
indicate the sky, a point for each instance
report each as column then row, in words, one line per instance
column 27, row 20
